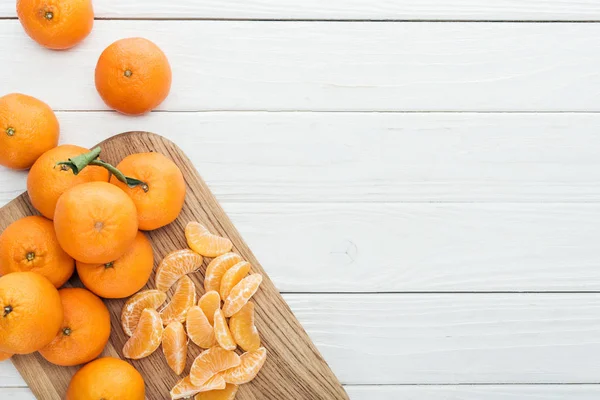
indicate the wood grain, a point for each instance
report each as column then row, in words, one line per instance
column 264, row 157
column 370, row 66
column 294, row 368
column 531, row 10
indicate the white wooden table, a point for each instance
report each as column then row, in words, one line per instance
column 420, row 178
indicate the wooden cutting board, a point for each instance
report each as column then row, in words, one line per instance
column 294, row 369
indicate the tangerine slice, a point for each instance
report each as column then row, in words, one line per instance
column 217, row 268
column 175, row 265
column 222, row 333
column 210, row 362
column 174, row 344
column 209, row 303
column 241, row 293
column 241, row 326
column 132, row 310
column 250, row 365
column 183, row 298
column 232, row 277
column 146, row 337
column 205, row 243
column 5, row 356
column 225, row 394
column 199, row 329
column 184, row 388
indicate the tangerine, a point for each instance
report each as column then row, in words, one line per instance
column 95, row 222
column 28, row 128
column 132, row 310
column 160, row 199
column 199, row 328
column 122, row 277
column 250, row 364
column 133, row 76
column 175, row 265
column 183, row 298
column 217, row 268
column 84, row 332
column 147, row 336
column 224, row 394
column 30, row 244
column 32, row 312
column 222, row 333
column 210, row 362
column 241, row 326
column 184, row 388
column 205, row 243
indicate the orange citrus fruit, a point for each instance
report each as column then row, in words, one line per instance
column 107, row 378
column 28, row 128
column 199, row 328
column 160, row 200
column 183, row 298
column 217, row 268
column 241, row 293
column 184, row 388
column 122, row 277
column 222, row 333
column 250, row 364
column 232, row 277
column 224, row 394
column 205, row 243
column 241, row 326
column 174, row 344
column 210, row 362
column 132, row 310
column 133, row 76
column 5, row 356
column 175, row 265
column 209, row 303
column 30, row 244
column 46, row 181
column 95, row 222
column 147, row 336
column 84, row 332
column 57, row 25
column 31, row 311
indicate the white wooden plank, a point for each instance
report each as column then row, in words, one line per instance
column 475, row 392
column 424, row 247
column 440, row 338
column 345, row 9
column 381, row 157
column 449, row 392
column 331, row 66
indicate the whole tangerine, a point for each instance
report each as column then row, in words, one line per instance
column 31, row 312
column 160, row 199
column 107, row 378
column 122, row 277
column 84, row 332
column 47, row 181
column 133, row 76
column 30, row 244
column 56, row 24
column 28, row 128
column 95, row 222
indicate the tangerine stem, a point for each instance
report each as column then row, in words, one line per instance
column 77, row 164
column 7, row 310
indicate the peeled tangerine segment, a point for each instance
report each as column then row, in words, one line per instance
column 232, row 277
column 250, row 365
column 210, row 362
column 224, row 394
column 241, row 294
column 222, row 333
column 146, row 337
column 217, row 268
column 183, row 298
column 203, row 242
column 209, row 303
column 199, row 329
column 184, row 388
column 132, row 310
column 175, row 265
column 174, row 344
column 241, row 326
